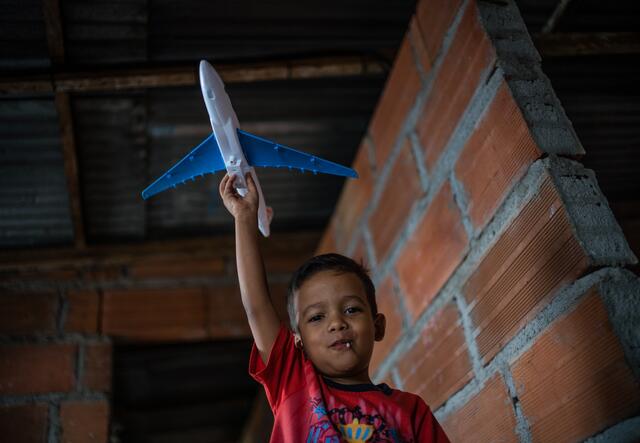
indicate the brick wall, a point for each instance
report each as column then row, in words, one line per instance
column 58, row 327
column 497, row 260
column 55, row 370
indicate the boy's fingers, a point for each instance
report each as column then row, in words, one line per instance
column 223, row 184
column 250, row 183
column 229, row 188
column 228, row 185
column 229, row 179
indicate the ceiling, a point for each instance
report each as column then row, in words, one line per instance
column 123, row 137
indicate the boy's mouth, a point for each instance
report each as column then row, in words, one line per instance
column 342, row 344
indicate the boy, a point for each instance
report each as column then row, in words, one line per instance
column 317, row 377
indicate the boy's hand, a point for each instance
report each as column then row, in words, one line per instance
column 241, row 208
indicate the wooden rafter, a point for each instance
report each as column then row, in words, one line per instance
column 69, row 154
column 126, row 78
column 598, row 43
column 281, row 246
column 55, row 42
column 551, row 23
column 53, row 26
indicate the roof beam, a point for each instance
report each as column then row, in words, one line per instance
column 55, row 42
column 187, row 75
column 280, row 246
column 593, row 43
column 551, row 23
column 69, row 154
column 53, row 27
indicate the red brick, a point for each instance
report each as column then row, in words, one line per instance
column 397, row 98
column 387, row 301
column 355, row 197
column 103, row 273
column 97, row 367
column 437, row 365
column 59, row 275
column 488, row 416
column 284, row 264
column 402, row 190
column 432, row 253
column 64, row 274
column 574, row 381
column 84, row 421
column 469, row 55
column 434, row 18
column 417, row 41
column 162, row 314
column 24, row 424
column 37, row 369
column 172, row 268
column 535, row 256
column 82, row 315
column 28, row 313
column 226, row 316
column 495, row 157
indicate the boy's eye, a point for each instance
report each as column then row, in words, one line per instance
column 315, row 318
column 352, row 310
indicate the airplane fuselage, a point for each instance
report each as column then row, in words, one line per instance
column 224, row 123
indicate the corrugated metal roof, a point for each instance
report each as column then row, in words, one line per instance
column 184, row 30
column 137, row 31
column 23, row 42
column 602, row 101
column 34, row 206
column 590, row 15
column 105, row 32
column 111, row 142
column 582, row 15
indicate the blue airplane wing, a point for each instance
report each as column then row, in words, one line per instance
column 203, row 159
column 262, row 152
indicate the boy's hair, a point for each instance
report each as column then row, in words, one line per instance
column 328, row 262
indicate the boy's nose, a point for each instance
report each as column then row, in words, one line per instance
column 337, row 323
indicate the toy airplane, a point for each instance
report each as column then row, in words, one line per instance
column 236, row 151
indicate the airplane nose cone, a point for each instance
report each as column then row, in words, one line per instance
column 210, row 80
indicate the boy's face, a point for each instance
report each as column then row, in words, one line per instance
column 336, row 326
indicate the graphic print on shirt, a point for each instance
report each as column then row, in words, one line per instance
column 354, row 426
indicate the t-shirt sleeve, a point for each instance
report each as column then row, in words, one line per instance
column 283, row 372
column 427, row 427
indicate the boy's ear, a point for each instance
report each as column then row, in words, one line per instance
column 297, row 341
column 379, row 324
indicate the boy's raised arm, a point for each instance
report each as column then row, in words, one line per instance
column 263, row 320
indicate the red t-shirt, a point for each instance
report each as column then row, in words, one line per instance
column 309, row 408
